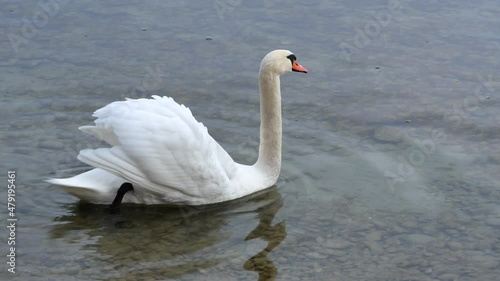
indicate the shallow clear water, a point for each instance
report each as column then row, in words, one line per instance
column 391, row 142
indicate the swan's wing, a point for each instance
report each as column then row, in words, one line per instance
column 158, row 145
column 105, row 134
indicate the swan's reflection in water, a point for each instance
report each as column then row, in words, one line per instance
column 165, row 242
column 273, row 235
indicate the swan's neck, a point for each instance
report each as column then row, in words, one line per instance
column 269, row 161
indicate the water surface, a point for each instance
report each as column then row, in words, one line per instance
column 391, row 142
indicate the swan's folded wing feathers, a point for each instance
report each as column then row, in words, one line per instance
column 158, row 142
column 101, row 133
column 106, row 117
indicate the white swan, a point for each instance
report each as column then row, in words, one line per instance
column 169, row 158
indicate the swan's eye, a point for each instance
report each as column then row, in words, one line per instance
column 292, row 58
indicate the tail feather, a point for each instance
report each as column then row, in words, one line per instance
column 96, row 186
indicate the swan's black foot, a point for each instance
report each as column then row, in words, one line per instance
column 124, row 188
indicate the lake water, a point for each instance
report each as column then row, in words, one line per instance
column 391, row 153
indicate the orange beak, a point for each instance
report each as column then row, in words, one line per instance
column 299, row 68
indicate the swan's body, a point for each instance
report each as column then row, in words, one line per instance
column 169, row 157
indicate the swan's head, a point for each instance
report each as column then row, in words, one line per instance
column 281, row 61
